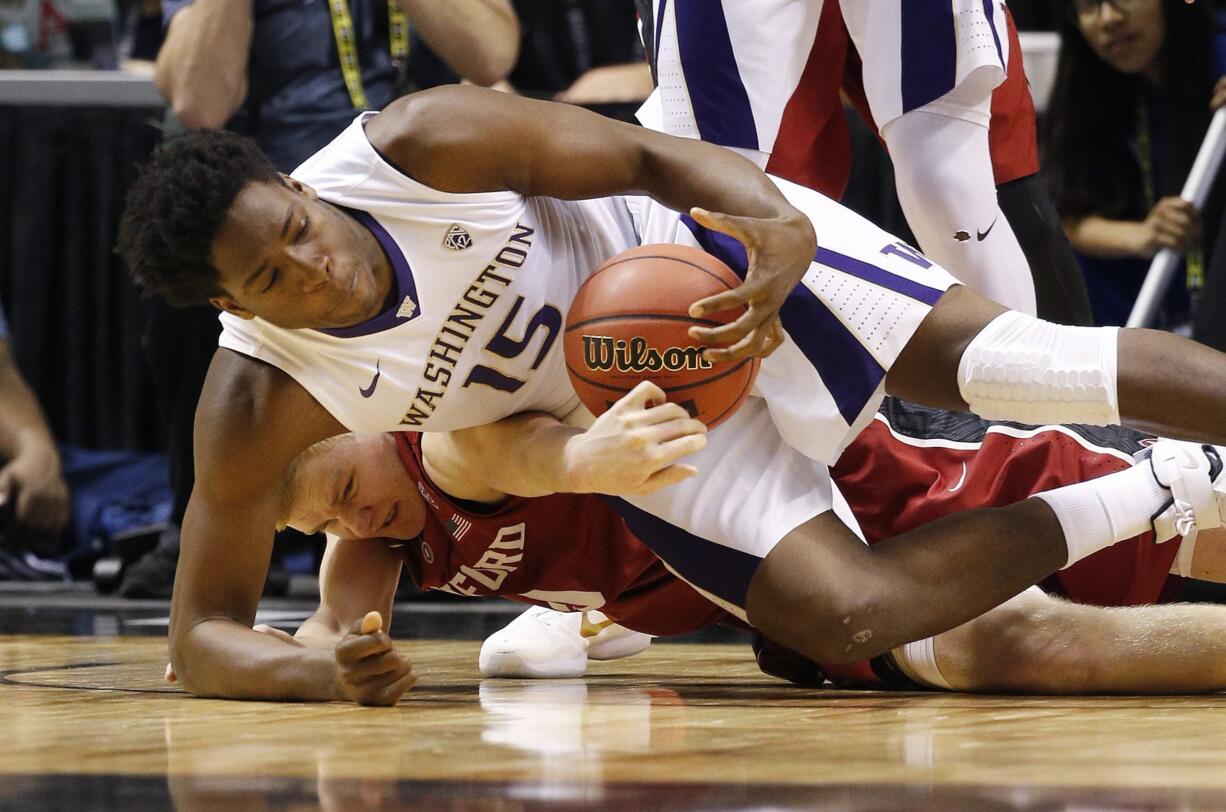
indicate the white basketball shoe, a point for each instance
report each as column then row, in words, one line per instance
column 1193, row 474
column 543, row 643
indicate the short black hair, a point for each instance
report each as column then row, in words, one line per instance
column 176, row 206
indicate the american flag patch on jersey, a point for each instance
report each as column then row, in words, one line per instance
column 457, row 526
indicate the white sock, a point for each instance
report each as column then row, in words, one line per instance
column 1096, row 514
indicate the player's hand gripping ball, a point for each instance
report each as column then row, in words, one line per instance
column 628, row 324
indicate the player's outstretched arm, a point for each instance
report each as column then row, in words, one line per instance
column 252, row 420
column 465, row 139
column 635, row 448
column 356, row 576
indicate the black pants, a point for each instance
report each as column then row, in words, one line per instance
column 1059, row 288
column 1209, row 326
column 179, row 345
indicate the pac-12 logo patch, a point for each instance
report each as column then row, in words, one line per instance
column 456, row 238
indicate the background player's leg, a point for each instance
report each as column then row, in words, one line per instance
column 1037, row 643
column 943, row 170
column 1060, row 289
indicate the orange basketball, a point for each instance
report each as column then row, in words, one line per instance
column 628, row 324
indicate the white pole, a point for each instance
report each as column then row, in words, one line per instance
column 1195, row 190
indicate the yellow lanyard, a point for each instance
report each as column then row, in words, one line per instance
column 1195, row 261
column 347, row 50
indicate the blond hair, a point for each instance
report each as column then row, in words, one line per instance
column 289, row 491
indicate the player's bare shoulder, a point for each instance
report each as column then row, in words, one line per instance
column 439, row 137
column 451, row 461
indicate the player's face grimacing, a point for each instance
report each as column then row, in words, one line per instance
column 290, row 258
column 355, row 486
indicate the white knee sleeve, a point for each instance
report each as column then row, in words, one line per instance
column 943, row 169
column 1030, row 371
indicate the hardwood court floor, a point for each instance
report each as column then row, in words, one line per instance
column 88, row 723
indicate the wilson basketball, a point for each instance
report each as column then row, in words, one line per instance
column 628, row 324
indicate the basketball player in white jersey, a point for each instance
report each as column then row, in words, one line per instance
column 763, row 77
column 413, row 275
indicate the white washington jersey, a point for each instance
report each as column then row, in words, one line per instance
column 473, row 336
column 483, row 282
column 763, row 76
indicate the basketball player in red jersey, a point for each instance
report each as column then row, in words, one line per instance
column 570, row 551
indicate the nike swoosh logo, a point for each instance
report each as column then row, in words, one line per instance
column 983, row 235
column 961, row 480
column 589, row 629
column 370, row 390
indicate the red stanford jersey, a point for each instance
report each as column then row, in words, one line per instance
column 914, row 464
column 565, row 551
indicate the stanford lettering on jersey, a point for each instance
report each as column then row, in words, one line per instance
column 462, row 322
column 425, row 494
column 500, row 559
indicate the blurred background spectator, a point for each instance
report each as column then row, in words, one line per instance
column 1130, row 106
column 584, row 52
column 33, row 494
column 58, row 33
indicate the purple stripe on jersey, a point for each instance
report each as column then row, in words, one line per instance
column 846, row 367
column 849, row 371
column 728, row 249
column 990, row 12
column 405, row 287
column 717, row 94
column 714, row 568
column 655, row 55
column 878, row 276
column 929, row 51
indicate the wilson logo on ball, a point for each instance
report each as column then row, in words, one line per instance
column 605, row 354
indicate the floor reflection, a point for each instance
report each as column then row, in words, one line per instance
column 568, row 718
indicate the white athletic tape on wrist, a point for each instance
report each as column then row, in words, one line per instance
column 1030, row 371
column 1098, row 513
